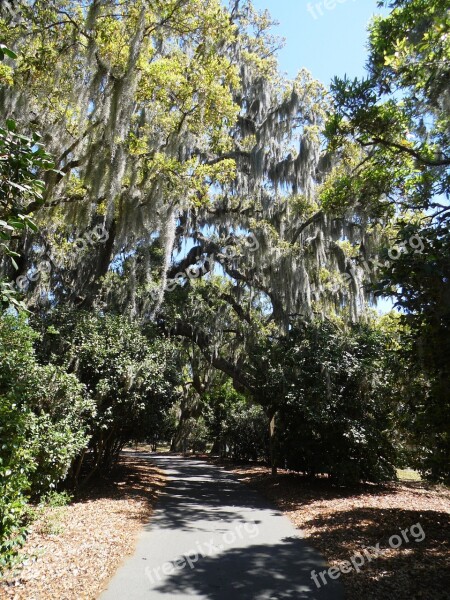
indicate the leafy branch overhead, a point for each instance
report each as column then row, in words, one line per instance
column 23, row 161
column 249, row 223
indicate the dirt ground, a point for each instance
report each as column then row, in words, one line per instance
column 341, row 522
column 72, row 551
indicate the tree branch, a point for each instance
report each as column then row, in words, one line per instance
column 241, row 380
column 444, row 162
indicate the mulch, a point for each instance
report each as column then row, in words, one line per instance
column 340, row 522
column 94, row 534
column 98, row 531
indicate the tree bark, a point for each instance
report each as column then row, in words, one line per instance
column 273, row 444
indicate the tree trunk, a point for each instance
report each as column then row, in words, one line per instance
column 273, row 444
column 217, row 446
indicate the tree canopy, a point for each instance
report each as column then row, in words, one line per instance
column 200, row 242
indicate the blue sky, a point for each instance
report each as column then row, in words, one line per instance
column 327, row 41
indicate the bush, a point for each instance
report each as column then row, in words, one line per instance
column 197, row 434
column 16, row 466
column 246, row 433
column 330, row 389
column 60, row 423
column 47, row 515
column 45, row 418
column 336, row 416
column 130, row 376
column 236, row 429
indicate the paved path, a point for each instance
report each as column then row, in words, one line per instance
column 212, row 538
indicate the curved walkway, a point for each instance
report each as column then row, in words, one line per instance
column 212, row 538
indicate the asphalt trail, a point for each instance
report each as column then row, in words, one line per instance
column 213, row 538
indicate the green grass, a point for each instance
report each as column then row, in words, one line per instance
column 408, row 475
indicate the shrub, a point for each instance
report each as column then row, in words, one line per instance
column 235, row 427
column 16, row 466
column 336, row 416
column 246, row 432
column 59, row 426
column 130, row 376
column 197, row 434
column 45, row 418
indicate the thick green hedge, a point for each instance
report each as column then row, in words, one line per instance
column 45, row 421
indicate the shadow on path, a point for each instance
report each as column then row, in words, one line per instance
column 264, row 571
column 212, row 537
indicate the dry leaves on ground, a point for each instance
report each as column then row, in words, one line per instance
column 94, row 535
column 340, row 522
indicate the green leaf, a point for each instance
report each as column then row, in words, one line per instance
column 17, row 224
column 11, row 124
column 31, row 224
column 4, row 50
column 12, row 253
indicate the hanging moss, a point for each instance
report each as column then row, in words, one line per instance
column 173, row 126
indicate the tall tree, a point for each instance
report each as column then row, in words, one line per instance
column 172, row 125
column 392, row 131
column 190, row 174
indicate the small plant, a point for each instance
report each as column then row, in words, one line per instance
column 56, row 499
column 47, row 515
